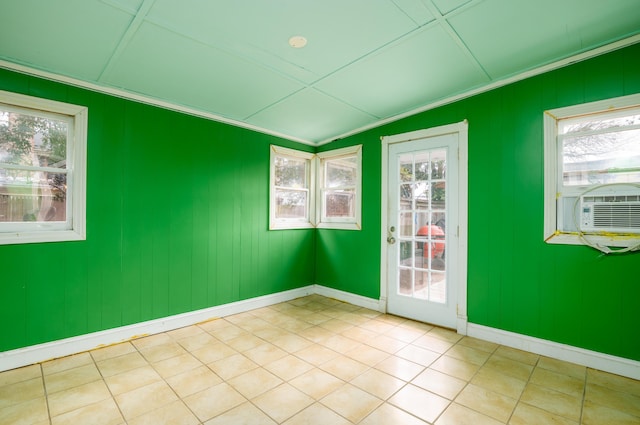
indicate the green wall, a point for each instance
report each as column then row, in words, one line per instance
column 516, row 282
column 177, row 217
column 177, row 220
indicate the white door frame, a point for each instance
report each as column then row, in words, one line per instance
column 462, row 129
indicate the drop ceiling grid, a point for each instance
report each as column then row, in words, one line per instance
column 243, row 49
column 430, row 17
column 524, row 35
column 418, row 70
column 165, row 65
column 49, row 36
column 249, row 74
column 335, row 38
column 312, row 116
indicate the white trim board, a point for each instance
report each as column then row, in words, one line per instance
column 462, row 129
column 593, row 359
column 348, row 297
column 24, row 69
column 64, row 347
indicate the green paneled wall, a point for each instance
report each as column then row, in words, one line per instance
column 516, row 282
column 177, row 213
column 177, row 220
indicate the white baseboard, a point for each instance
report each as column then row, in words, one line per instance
column 50, row 350
column 593, row 359
column 348, row 297
column 38, row 353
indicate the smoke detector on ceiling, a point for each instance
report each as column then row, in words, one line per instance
column 297, row 42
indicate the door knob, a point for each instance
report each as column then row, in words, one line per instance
column 391, row 240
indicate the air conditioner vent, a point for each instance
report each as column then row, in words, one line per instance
column 610, row 213
column 616, row 215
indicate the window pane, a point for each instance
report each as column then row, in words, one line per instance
column 422, row 166
column 406, row 253
column 438, row 164
column 405, row 284
column 30, row 196
column 32, row 141
column 341, row 172
column 406, row 224
column 291, row 203
column 421, row 280
column 291, row 172
column 602, row 158
column 339, row 203
column 421, row 194
column 406, row 168
column 438, row 195
column 598, row 124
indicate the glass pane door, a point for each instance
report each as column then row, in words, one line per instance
column 422, row 225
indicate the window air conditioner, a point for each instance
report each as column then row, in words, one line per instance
column 613, row 213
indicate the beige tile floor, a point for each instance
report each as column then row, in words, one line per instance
column 313, row 360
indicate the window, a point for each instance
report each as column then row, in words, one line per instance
column 42, row 170
column 293, row 196
column 339, row 187
column 592, row 174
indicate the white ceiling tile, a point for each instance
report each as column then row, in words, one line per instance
column 421, row 69
column 168, row 66
column 508, row 37
column 312, row 116
column 337, row 31
column 365, row 59
column 74, row 37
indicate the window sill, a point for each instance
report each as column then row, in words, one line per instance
column 574, row 238
column 290, row 226
column 41, row 237
column 339, row 226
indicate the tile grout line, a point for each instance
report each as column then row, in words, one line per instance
column 468, row 381
column 584, row 394
column 528, row 381
column 46, row 393
column 181, row 399
column 340, row 348
column 108, row 388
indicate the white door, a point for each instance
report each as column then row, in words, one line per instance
column 422, row 229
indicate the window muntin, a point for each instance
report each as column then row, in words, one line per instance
column 42, row 163
column 590, row 149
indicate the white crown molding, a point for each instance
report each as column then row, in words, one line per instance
column 620, row 44
column 123, row 94
column 24, row 69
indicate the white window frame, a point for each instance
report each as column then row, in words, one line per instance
column 553, row 184
column 292, row 223
column 315, row 216
column 74, row 228
column 344, row 223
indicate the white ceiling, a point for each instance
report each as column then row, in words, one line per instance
column 366, row 61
